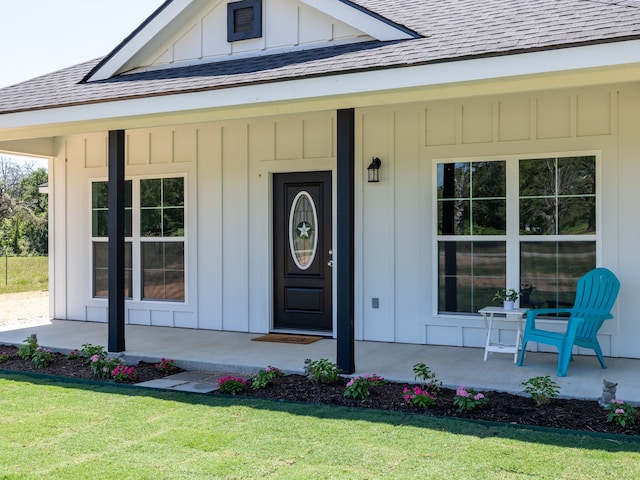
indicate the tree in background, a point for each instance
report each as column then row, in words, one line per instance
column 23, row 209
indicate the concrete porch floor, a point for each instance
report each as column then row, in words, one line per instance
column 214, row 351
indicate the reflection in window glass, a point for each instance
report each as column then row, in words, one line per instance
column 472, row 198
column 100, row 209
column 550, row 270
column 161, row 211
column 557, row 196
column 162, row 207
column 101, row 270
column 469, row 273
column 163, row 271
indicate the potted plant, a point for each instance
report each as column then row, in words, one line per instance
column 508, row 297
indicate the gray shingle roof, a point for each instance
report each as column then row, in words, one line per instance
column 451, row 30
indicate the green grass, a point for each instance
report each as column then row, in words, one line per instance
column 23, row 274
column 72, row 430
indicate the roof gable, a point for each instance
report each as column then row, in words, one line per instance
column 189, row 32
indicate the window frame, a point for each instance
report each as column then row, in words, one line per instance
column 512, row 221
column 137, row 239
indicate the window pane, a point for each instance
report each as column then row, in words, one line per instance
column 153, row 285
column 489, row 217
column 162, row 213
column 152, row 255
column 489, row 179
column 577, row 216
column 576, row 176
column 163, row 271
column 538, row 177
column 151, row 222
column 173, row 192
column 174, row 255
column 99, row 195
column 100, row 212
column 557, row 196
column 101, row 270
column 472, row 198
column 538, row 216
column 100, row 223
column 101, row 254
column 454, row 217
column 469, row 274
column 174, row 285
column 151, row 192
column 551, row 270
column 173, row 222
column 101, row 283
column 454, row 180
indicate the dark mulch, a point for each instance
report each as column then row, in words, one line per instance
column 77, row 368
column 581, row 415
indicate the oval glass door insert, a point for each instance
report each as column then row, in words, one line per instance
column 303, row 231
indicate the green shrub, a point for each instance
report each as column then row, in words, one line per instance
column 27, row 350
column 541, row 389
column 323, row 371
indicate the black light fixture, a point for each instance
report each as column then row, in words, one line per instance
column 373, row 170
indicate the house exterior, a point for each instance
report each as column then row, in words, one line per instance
column 211, row 172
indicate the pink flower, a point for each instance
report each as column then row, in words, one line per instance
column 619, row 411
column 479, row 396
column 95, row 358
column 619, row 402
column 462, row 391
column 350, row 382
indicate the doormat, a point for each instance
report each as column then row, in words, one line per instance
column 282, row 338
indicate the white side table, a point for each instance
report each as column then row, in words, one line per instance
column 516, row 315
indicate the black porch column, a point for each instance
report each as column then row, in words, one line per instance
column 116, row 241
column 345, row 239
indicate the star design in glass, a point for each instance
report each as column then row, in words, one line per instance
column 304, row 230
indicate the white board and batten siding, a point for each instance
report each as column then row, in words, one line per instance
column 228, row 168
column 396, row 232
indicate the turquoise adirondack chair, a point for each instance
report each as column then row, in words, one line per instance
column 596, row 293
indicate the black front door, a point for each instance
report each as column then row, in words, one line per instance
column 302, row 251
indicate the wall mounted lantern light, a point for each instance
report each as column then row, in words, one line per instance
column 373, row 170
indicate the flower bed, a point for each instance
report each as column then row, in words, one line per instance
column 428, row 399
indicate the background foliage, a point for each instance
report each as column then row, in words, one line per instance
column 23, row 209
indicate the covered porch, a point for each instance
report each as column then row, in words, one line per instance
column 208, row 350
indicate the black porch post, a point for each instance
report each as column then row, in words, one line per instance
column 116, row 241
column 345, row 239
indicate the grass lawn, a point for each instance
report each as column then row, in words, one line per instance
column 72, row 430
column 23, row 274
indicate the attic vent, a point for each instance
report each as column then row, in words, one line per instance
column 244, row 20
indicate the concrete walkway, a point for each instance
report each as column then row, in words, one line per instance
column 208, row 351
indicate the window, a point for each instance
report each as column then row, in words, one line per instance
column 162, row 242
column 244, row 20
column 157, row 239
column 524, row 222
column 100, row 233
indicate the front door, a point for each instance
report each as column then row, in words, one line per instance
column 302, row 251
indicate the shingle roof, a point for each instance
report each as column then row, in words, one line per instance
column 451, row 30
